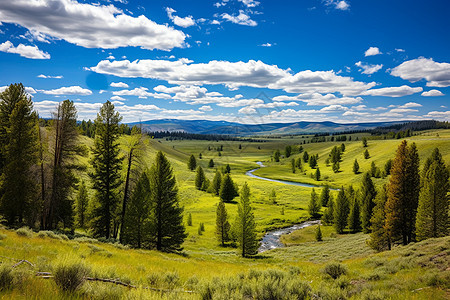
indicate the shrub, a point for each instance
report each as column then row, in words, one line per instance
column 6, row 277
column 3, row 236
column 171, row 279
column 47, row 233
column 70, row 276
column 335, row 270
column 25, row 231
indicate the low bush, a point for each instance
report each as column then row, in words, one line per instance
column 6, row 277
column 70, row 276
column 335, row 270
column 25, row 231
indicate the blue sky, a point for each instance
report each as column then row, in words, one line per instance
column 237, row 60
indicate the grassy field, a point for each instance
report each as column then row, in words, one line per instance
column 418, row 271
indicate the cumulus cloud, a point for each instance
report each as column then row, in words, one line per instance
column 241, row 19
column 182, row 22
column 319, row 99
column 410, row 105
column 234, row 75
column 432, row 93
column 367, row 68
column 32, row 52
column 68, row 90
column 337, row 4
column 50, row 76
column 141, row 92
column 119, row 84
column 249, row 3
column 372, row 51
column 438, row 115
column 90, row 25
column 436, row 74
column 117, row 98
column 205, row 108
column 399, row 91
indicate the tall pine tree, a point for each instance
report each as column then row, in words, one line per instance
column 325, row 195
column 354, row 218
column 367, row 195
column 432, row 213
column 82, row 203
column 168, row 231
column 106, row 163
column 245, row 226
column 379, row 238
column 314, row 205
column 403, row 194
column 222, row 224
column 199, row 178
column 19, row 151
column 341, row 211
column 227, row 189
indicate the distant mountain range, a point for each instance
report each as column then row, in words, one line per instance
column 238, row 129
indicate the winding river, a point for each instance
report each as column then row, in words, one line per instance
column 271, row 239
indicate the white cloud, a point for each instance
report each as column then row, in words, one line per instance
column 233, row 75
column 432, row 93
column 241, row 19
column 399, row 50
column 141, row 92
column 28, row 89
column 68, row 90
column 50, row 76
column 439, row 115
column 205, row 108
column 372, row 51
column 182, row 22
column 410, row 105
column 32, row 52
column 119, row 84
column 319, row 99
column 219, row 4
column 267, row 45
column 337, row 4
column 402, row 110
column 333, row 108
column 247, row 111
column 117, row 98
column 111, row 57
column 90, row 25
column 249, row 3
column 367, row 68
column 398, row 91
column 436, row 74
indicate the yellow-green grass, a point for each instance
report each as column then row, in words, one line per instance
column 307, row 234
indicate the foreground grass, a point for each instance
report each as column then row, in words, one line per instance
column 417, row 271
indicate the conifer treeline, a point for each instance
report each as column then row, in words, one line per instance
column 40, row 177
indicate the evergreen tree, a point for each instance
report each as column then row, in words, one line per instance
column 227, row 189
column 222, row 224
column 106, row 163
column 305, row 156
column 379, row 239
column 227, row 169
column 356, row 167
column 217, row 180
column 211, row 163
column 319, row 234
column 82, row 202
column 341, row 211
column 328, row 214
column 317, row 175
column 136, row 228
column 293, row 165
column 288, row 151
column 189, row 219
column 336, row 167
column 199, row 156
column 366, row 154
column 298, row 164
column 199, row 178
column 314, row 205
column 432, row 213
column 19, row 152
column 244, row 227
column 403, row 194
column 342, row 147
column 354, row 220
column 335, row 155
column 364, row 142
column 325, row 195
column 64, row 148
column 312, row 162
column 373, row 169
column 387, row 167
column 192, row 163
column 367, row 197
column 168, row 231
column 276, row 155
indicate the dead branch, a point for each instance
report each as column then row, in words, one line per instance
column 21, row 262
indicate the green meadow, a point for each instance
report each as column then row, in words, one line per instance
column 206, row 270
